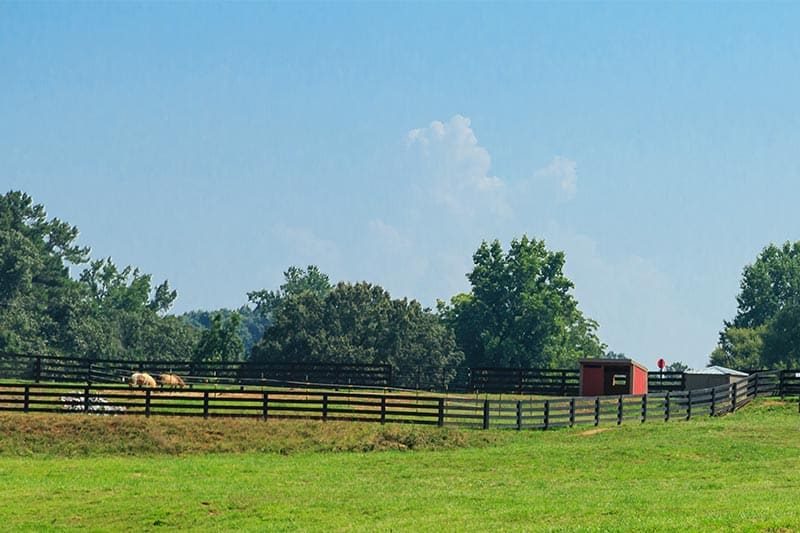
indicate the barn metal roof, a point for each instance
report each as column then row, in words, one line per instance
column 717, row 370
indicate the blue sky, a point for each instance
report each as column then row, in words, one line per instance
column 216, row 145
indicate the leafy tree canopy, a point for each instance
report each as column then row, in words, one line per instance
column 764, row 332
column 36, row 292
column 296, row 281
column 739, row 348
column 769, row 284
column 251, row 323
column 520, row 311
column 358, row 323
column 221, row 343
column 107, row 312
column 677, row 366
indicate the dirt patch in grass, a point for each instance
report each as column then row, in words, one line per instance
column 590, row 432
column 80, row 435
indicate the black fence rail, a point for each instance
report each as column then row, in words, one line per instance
column 546, row 382
column 666, row 381
column 488, row 380
column 65, row 369
column 431, row 378
column 115, row 399
column 554, row 382
column 789, row 382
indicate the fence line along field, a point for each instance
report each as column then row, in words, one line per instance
column 422, row 409
column 522, row 381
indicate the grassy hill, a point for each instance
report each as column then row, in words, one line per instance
column 734, row 472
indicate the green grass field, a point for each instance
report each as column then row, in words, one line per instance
column 739, row 472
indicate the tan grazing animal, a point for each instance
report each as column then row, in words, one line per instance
column 171, row 380
column 140, row 379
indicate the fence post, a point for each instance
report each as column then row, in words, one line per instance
column 440, row 420
column 26, row 401
column 205, row 404
column 689, row 405
column 780, row 384
column 485, row 414
column 265, row 406
column 519, row 415
column 755, row 393
column 713, row 402
column 735, row 386
column 666, row 407
column 383, row 409
column 619, row 410
column 37, row 369
column 597, row 410
column 324, row 407
column 571, row 412
column 563, row 383
column 644, row 408
column 147, row 402
column 86, row 402
column 546, row 414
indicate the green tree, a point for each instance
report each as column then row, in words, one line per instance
column 782, row 339
column 36, row 293
column 220, row 343
column 107, row 312
column 767, row 285
column 251, row 327
column 677, row 366
column 296, row 281
column 360, row 323
column 124, row 316
column 739, row 348
column 762, row 334
column 520, row 311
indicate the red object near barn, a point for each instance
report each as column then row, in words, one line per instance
column 611, row 377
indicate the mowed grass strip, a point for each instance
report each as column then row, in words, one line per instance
column 734, row 472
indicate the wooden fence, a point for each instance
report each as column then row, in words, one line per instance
column 67, row 369
column 427, row 409
column 545, row 382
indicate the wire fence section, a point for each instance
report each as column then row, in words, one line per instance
column 487, row 413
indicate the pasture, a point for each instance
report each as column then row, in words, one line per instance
column 109, row 473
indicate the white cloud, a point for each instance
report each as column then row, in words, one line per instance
column 455, row 170
column 389, row 236
column 563, row 172
column 306, row 246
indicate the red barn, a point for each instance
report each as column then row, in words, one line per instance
column 605, row 377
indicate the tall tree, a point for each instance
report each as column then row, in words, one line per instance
column 764, row 334
column 106, row 313
column 296, row 281
column 520, row 311
column 220, row 343
column 125, row 316
column 768, row 285
column 360, row 323
column 36, row 292
column 251, row 327
column 740, row 348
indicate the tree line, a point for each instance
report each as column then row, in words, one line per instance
column 520, row 310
